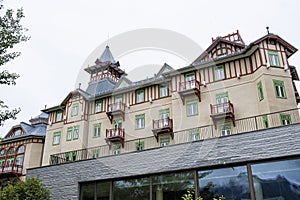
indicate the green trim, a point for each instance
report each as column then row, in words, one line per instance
column 193, row 133
column 219, row 68
column 73, row 107
column 56, row 134
column 70, row 130
column 225, row 127
column 137, row 93
column 164, row 140
column 166, row 87
column 188, row 103
column 96, row 126
column 76, row 128
column 265, row 121
column 190, row 74
column 286, row 117
column 58, row 112
column 273, row 53
column 164, row 111
column 139, row 146
column 101, row 106
column 137, row 117
column 260, row 91
column 281, row 87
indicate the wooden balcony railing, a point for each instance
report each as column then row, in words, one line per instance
column 113, row 109
column 222, row 111
column 116, row 135
column 187, row 88
column 162, row 126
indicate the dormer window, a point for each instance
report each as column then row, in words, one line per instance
column 98, row 106
column 219, row 72
column 74, row 110
column 58, row 117
column 17, row 132
column 140, row 96
column 274, row 58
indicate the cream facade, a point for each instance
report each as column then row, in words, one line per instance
column 229, row 89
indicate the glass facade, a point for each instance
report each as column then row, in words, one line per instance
column 278, row 180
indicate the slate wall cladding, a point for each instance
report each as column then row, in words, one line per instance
column 62, row 180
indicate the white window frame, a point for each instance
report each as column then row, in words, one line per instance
column 192, row 108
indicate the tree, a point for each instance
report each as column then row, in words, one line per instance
column 11, row 33
column 31, row 189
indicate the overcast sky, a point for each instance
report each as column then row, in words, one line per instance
column 64, row 33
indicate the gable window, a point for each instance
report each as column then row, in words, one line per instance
column 285, row 119
column 163, row 91
column 279, row 89
column 260, row 91
column 97, row 130
column 225, row 129
column 219, row 72
column 69, row 133
column 194, row 135
column 192, row 108
column 273, row 58
column 76, row 133
column 74, row 109
column 98, row 106
column 164, row 141
column 58, row 117
column 140, row 121
column 56, row 138
column 139, row 146
column 140, row 96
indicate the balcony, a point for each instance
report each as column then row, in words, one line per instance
column 162, row 126
column 12, row 169
column 115, row 109
column 222, row 111
column 188, row 88
column 115, row 135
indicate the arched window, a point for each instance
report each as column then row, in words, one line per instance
column 11, row 151
column 21, row 149
column 2, row 152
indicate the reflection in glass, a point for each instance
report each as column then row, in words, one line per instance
column 232, row 183
column 132, row 189
column 277, row 180
column 87, row 191
column 171, row 186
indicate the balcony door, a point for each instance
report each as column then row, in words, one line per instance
column 117, row 126
column 222, row 102
column 164, row 117
column 118, row 102
column 189, row 81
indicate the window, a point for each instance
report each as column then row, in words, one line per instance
column 96, row 153
column 140, row 96
column 219, row 72
column 265, row 121
column 225, row 129
column 164, row 114
column 118, row 99
column 139, row 146
column 2, row 152
column 56, row 138
column 164, row 141
column 140, row 121
column 116, row 149
column 194, row 135
column 222, row 103
column 279, row 89
column 192, row 108
column 74, row 110
column 98, row 106
column 260, row 91
column 163, row 91
column 76, row 133
column 11, row 151
column 58, row 116
column 69, row 133
column 189, row 81
column 285, row 119
column 97, row 130
column 273, row 58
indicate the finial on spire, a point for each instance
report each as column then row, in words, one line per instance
column 267, row 29
column 79, row 85
column 107, row 39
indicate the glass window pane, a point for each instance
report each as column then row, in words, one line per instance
column 102, row 191
column 132, row 189
column 88, row 191
column 277, row 180
column 231, row 182
column 172, row 186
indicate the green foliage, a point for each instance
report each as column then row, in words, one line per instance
column 191, row 192
column 31, row 189
column 11, row 33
